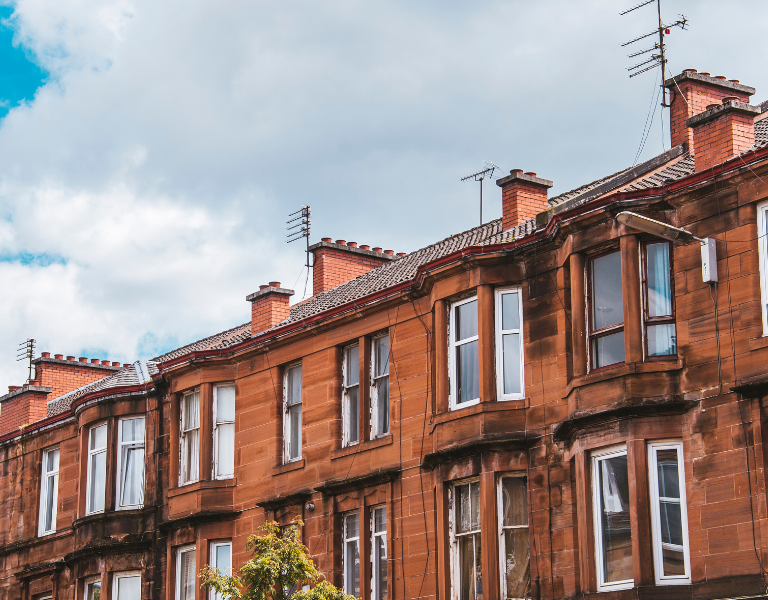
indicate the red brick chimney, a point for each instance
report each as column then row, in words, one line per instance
column 692, row 93
column 269, row 306
column 338, row 263
column 722, row 132
column 523, row 196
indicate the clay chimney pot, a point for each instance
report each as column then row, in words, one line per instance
column 115, row 364
column 329, row 240
column 723, row 77
column 401, row 254
column 274, row 284
column 389, row 251
column 95, row 361
column 105, row 362
column 58, row 356
column 83, row 359
column 71, row 358
column 46, row 355
column 341, row 242
column 377, row 248
column 515, row 171
column 531, row 174
column 352, row 244
column 365, row 247
column 727, row 98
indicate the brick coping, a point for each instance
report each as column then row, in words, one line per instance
column 381, row 255
column 75, row 363
column 40, row 389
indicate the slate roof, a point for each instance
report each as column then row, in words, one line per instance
column 671, row 165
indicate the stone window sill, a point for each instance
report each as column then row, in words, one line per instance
column 384, row 440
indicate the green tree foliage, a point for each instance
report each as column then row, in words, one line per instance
column 279, row 563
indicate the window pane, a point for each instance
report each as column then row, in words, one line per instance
column 93, row 591
column 294, row 385
column 352, row 554
column 511, row 360
column 353, row 415
column 295, row 433
column 608, row 350
column 49, row 503
column 224, row 558
column 510, row 311
column 133, row 477
column 187, row 575
column 659, row 284
column 466, row 320
column 191, row 456
column 379, row 520
column 381, row 352
column 613, row 485
column 662, row 340
column 607, row 298
column 670, row 511
column 225, row 404
column 352, row 361
column 380, row 553
column 98, row 437
column 132, row 430
column 514, row 493
column 474, row 496
column 382, row 404
column 52, row 461
column 517, row 563
column 470, row 563
column 225, row 449
column 129, row 588
column 468, row 372
column 191, row 411
column 98, row 479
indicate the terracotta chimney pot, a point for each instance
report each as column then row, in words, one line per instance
column 46, row 355
column 58, row 356
column 72, row 358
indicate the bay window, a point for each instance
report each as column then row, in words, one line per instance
column 463, row 359
column 658, row 300
column 613, row 534
column 379, row 553
column 351, row 553
column 126, row 586
column 130, row 463
column 292, row 413
column 224, row 431
column 97, row 469
column 49, row 491
column 186, row 573
column 350, row 396
column 380, row 386
column 509, row 344
column 221, row 559
column 466, row 567
column 190, row 437
column 606, row 310
column 762, row 246
column 669, row 516
column 514, row 552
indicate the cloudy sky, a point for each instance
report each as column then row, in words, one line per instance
column 150, row 151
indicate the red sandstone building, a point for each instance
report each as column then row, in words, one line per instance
column 556, row 404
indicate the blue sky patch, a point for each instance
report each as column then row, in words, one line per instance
column 20, row 75
column 37, row 260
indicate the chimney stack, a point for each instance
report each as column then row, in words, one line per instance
column 722, row 132
column 269, row 306
column 523, row 196
column 692, row 93
column 337, row 263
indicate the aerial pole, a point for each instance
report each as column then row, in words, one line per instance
column 479, row 176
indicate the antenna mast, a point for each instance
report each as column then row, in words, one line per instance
column 479, row 176
column 299, row 225
column 658, row 58
column 26, row 351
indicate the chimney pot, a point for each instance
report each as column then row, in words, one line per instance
column 689, row 71
column 723, row 77
column 531, row 173
column 46, row 355
column 734, row 81
column 352, row 244
column 329, row 240
column 71, row 358
column 711, row 106
column 389, row 251
column 705, row 74
column 727, row 98
column 365, row 247
column 105, row 362
column 377, row 249
column 95, row 361
column 126, row 365
column 274, row 284
column 341, row 242
column 401, row 254
column 263, row 287
column 83, row 359
column 515, row 171
column 58, row 356
column 115, row 364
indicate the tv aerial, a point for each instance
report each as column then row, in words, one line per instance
column 480, row 176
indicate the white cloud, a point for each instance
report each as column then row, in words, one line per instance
column 157, row 166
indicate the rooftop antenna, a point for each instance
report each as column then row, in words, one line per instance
column 26, row 351
column 479, row 176
column 658, row 57
column 299, row 225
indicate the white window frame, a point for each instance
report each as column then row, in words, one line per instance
column 116, row 577
column 124, row 446
column 455, row 558
column 344, row 541
column 502, row 527
column 287, row 424
column 184, row 437
column 212, row 594
column 89, row 582
column 179, row 551
column 89, row 479
column 762, row 245
column 48, row 479
column 374, row 392
column 658, row 562
column 376, row 592
column 500, row 395
column 346, row 425
column 216, row 424
column 452, row 345
column 597, row 456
